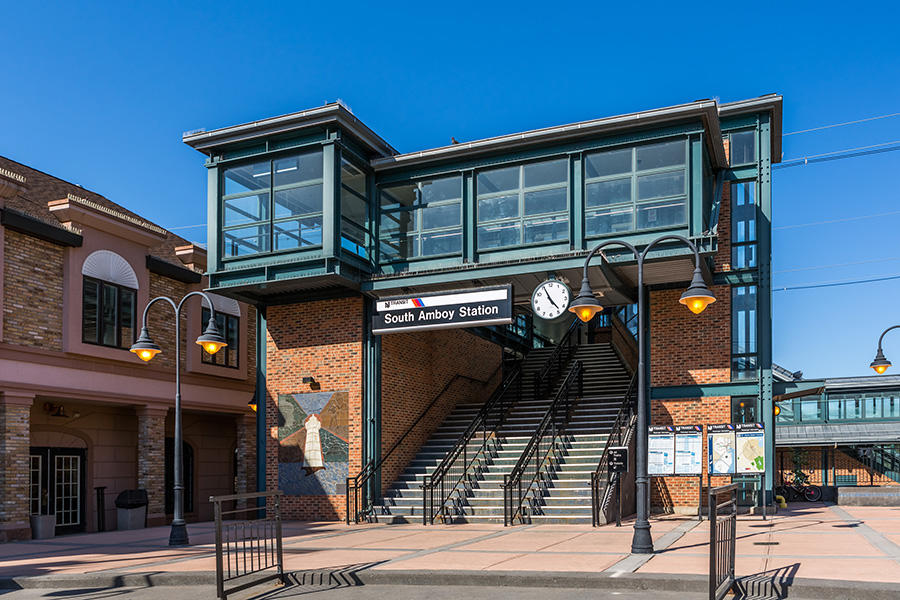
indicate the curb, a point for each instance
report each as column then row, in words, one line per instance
column 363, row 575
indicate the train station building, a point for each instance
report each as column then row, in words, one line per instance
column 411, row 307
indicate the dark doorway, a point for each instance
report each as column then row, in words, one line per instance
column 57, row 486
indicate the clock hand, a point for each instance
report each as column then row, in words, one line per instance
column 550, row 298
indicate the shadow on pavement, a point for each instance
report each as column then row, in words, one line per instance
column 767, row 585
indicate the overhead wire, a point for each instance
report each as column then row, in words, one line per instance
column 820, row 128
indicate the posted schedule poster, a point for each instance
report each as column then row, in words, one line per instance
column 750, row 448
column 721, row 449
column 688, row 450
column 661, row 451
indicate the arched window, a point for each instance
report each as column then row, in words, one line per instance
column 228, row 317
column 109, row 299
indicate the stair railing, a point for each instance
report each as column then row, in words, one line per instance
column 360, row 501
column 601, row 488
column 461, row 463
column 542, row 453
column 547, row 376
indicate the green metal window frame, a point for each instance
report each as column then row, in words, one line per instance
column 841, row 407
column 365, row 230
column 416, row 211
column 522, row 220
column 744, row 356
column 270, row 222
column 229, row 327
column 751, row 132
column 121, row 291
column 634, row 203
column 741, row 249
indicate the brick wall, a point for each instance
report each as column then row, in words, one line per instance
column 415, row 368
column 323, row 339
column 161, row 320
column 14, row 479
column 32, row 292
column 151, row 430
column 838, row 463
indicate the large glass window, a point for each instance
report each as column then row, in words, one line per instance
column 228, row 327
column 525, row 204
column 743, row 332
column 421, row 219
column 744, row 409
column 272, row 205
column 743, row 225
column 742, row 146
column 355, row 230
column 644, row 187
column 107, row 314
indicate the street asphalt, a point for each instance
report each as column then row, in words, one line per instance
column 369, row 592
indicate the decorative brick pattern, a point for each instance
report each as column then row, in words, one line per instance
column 151, row 458
column 322, row 339
column 14, row 475
column 32, row 292
column 415, row 368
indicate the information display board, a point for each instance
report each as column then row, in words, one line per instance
column 661, row 450
column 688, row 449
column 750, row 448
column 720, row 447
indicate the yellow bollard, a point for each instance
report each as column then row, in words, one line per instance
column 780, row 501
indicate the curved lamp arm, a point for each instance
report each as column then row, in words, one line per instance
column 674, row 237
column 149, row 304
column 881, row 363
column 883, row 333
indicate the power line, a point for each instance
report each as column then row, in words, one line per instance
column 825, row 284
column 843, row 220
column 842, row 124
column 187, row 227
column 840, row 154
column 846, row 264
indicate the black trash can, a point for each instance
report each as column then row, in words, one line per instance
column 131, row 509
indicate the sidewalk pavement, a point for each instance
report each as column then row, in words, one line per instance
column 846, row 545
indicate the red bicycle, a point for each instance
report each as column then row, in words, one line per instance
column 799, row 489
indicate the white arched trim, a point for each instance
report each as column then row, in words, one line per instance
column 109, row 266
column 228, row 306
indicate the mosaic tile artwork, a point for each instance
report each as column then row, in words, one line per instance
column 313, row 449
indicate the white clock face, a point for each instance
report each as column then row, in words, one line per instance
column 551, row 299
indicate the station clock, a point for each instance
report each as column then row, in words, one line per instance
column 550, row 299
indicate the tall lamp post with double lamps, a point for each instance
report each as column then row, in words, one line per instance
column 212, row 341
column 697, row 297
column 881, row 364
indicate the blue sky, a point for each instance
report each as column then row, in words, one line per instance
column 100, row 93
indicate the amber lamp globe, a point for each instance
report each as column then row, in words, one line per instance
column 211, row 340
column 144, row 347
column 697, row 297
column 880, row 364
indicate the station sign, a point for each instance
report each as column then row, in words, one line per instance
column 444, row 310
column 618, row 459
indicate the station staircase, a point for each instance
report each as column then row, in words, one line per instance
column 566, row 489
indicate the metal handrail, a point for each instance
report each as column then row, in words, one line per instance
column 619, row 432
column 447, row 475
column 541, row 448
column 554, row 364
column 373, row 466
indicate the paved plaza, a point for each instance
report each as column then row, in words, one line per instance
column 806, row 542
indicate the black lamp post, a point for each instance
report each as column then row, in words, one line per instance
column 881, row 364
column 212, row 341
column 697, row 297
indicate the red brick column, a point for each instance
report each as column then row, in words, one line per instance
column 152, row 460
column 246, row 453
column 15, row 439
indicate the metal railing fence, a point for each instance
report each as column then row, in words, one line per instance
column 601, row 488
column 722, row 540
column 360, row 498
column 246, row 546
column 463, row 462
column 541, row 453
